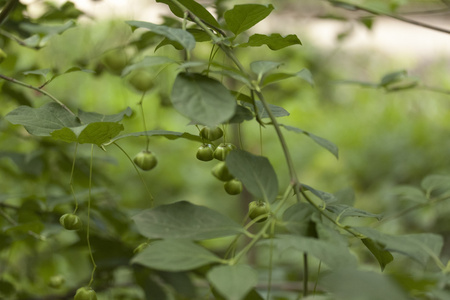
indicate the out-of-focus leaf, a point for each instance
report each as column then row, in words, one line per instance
column 171, row 135
column 91, row 117
column 233, row 282
column 194, row 7
column 304, row 74
column 274, row 41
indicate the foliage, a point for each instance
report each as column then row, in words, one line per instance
column 151, row 243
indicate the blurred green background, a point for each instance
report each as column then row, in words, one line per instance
column 385, row 139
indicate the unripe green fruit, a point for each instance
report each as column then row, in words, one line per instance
column 145, row 160
column 56, row 281
column 2, row 55
column 71, row 222
column 205, row 152
column 256, row 209
column 221, row 172
column 233, row 187
column 211, row 133
column 115, row 60
column 141, row 80
column 223, row 150
column 85, row 293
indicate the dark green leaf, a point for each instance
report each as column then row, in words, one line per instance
column 334, row 255
column 274, row 41
column 320, row 141
column 383, row 256
column 324, row 196
column 419, row 247
column 255, row 172
column 242, row 114
column 392, row 78
column 277, row 111
column 171, row 135
column 90, row 117
column 30, row 163
column 202, row 99
column 343, row 211
column 233, row 282
column 96, row 133
column 180, row 36
column 245, row 16
column 184, row 220
column 195, row 8
column 43, row 120
column 174, row 256
column 297, row 218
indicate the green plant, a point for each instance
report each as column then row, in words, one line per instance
column 291, row 231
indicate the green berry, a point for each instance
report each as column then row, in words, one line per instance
column 233, row 187
column 56, row 281
column 85, row 293
column 221, row 172
column 115, row 60
column 205, row 152
column 258, row 208
column 141, row 80
column 71, row 222
column 211, row 133
column 223, row 150
column 145, row 160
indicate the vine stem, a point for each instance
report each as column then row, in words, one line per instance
column 137, row 171
column 94, row 265
column 38, row 90
column 141, row 105
column 71, row 179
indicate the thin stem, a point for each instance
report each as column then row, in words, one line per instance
column 38, row 90
column 141, row 105
column 71, row 179
column 137, row 171
column 7, row 9
column 352, row 6
column 305, row 274
column 89, row 218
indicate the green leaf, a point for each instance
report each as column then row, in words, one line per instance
column 243, row 17
column 320, row 141
column 262, row 67
column 233, row 282
column 41, row 72
column 174, row 256
column 383, row 256
column 344, row 211
column 91, row 117
column 184, row 220
column 180, row 36
column 297, row 218
column 195, row 8
column 171, row 135
column 361, row 285
column 324, row 196
column 277, row 111
column 392, row 78
column 436, row 183
column 96, row 133
column 202, row 99
column 334, row 255
column 410, row 193
column 255, row 172
column 242, row 114
column 29, row 163
column 274, row 41
column 304, row 74
column 419, row 247
column 43, row 33
column 148, row 61
column 44, row 120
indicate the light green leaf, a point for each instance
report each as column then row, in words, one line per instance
column 255, row 172
column 233, row 282
column 41, row 72
column 171, row 135
column 344, row 211
column 262, row 67
column 174, row 256
column 410, row 193
column 43, row 120
column 361, row 285
column 277, row 111
column 319, row 140
column 202, row 99
column 195, row 8
column 392, row 78
column 383, row 256
column 419, row 247
column 334, row 255
column 184, row 220
column 180, row 36
column 148, row 61
column 304, row 74
column 436, row 184
column 96, row 133
column 274, row 41
column 43, row 33
column 90, row 117
column 243, row 17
